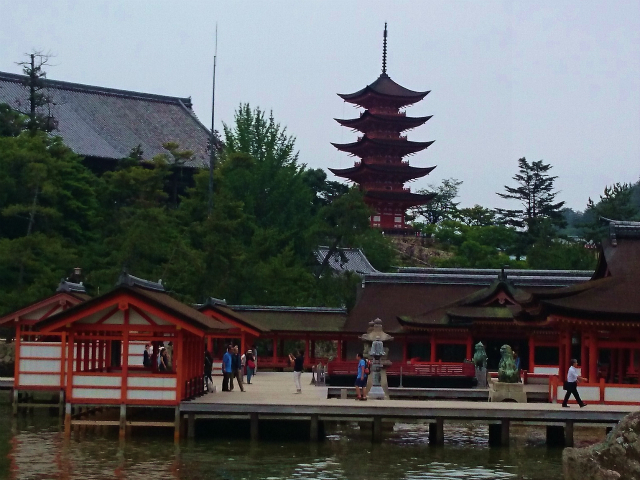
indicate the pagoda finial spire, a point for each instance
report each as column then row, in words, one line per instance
column 384, row 50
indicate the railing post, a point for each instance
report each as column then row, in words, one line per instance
column 602, row 389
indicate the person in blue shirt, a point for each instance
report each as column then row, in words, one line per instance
column 361, row 378
column 227, row 370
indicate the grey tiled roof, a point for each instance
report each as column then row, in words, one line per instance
column 107, row 123
column 346, row 260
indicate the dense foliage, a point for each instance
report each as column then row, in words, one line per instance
column 257, row 247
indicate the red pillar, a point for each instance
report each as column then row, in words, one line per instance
column 532, row 353
column 621, row 362
column 433, row 348
column 339, row 350
column 583, row 353
column 307, row 347
column 243, row 342
column 275, row 349
column 469, row 347
column 593, row 358
column 405, row 350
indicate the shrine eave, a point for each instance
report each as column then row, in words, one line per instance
column 404, row 170
column 385, row 87
column 397, row 123
column 406, row 147
column 406, row 198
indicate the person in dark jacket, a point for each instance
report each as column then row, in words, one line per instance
column 237, row 365
column 146, row 357
column 208, row 367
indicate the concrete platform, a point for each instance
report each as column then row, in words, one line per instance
column 273, row 393
column 535, row 393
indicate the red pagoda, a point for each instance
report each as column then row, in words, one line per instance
column 381, row 171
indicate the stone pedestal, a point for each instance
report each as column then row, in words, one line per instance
column 481, row 376
column 500, row 392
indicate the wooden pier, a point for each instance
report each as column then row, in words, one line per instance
column 271, row 397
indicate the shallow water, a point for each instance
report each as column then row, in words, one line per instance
column 33, row 447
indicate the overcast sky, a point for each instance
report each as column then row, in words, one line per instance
column 552, row 80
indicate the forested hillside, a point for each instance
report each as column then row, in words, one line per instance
column 255, row 247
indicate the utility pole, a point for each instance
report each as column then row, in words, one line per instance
column 212, row 156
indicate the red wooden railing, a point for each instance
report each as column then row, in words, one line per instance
column 426, row 369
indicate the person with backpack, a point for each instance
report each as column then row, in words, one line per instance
column 361, row 378
column 251, row 365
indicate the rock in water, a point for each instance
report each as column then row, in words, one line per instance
column 617, row 458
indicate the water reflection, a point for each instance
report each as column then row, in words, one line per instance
column 37, row 450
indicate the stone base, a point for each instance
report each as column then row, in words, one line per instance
column 481, row 376
column 501, row 392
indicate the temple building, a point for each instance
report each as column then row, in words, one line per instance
column 382, row 171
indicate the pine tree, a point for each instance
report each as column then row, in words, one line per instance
column 535, row 192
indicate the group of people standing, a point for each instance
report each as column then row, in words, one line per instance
column 233, row 366
column 163, row 358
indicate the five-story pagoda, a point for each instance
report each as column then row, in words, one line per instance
column 381, row 171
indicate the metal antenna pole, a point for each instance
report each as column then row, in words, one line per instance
column 212, row 155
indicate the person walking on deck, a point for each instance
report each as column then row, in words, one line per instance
column 208, row 367
column 227, row 370
column 571, row 385
column 237, row 368
column 361, row 378
column 298, row 366
column 251, row 365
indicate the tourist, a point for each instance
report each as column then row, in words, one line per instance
column 162, row 361
column 361, row 378
column 251, row 365
column 298, row 365
column 169, row 355
column 237, row 368
column 571, row 385
column 208, row 367
column 227, row 369
column 255, row 358
column 146, row 357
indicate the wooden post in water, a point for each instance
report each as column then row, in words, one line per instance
column 123, row 421
column 504, row 432
column 176, row 425
column 191, row 425
column 67, row 420
column 568, row 434
column 313, row 428
column 377, row 429
column 254, row 427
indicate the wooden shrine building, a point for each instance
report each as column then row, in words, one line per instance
column 382, row 171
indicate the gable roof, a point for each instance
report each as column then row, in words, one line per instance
column 295, row 319
column 107, row 123
column 612, row 293
column 59, row 295
column 220, row 307
column 155, row 298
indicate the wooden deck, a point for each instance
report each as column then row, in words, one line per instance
column 272, row 396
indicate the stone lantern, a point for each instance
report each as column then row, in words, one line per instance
column 376, row 336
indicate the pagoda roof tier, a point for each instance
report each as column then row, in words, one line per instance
column 374, row 121
column 403, row 170
column 384, row 89
column 407, row 199
column 367, row 146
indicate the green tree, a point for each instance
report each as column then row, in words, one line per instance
column 443, row 206
column 477, row 216
column 535, row 192
column 617, row 202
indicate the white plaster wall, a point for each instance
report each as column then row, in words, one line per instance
column 40, row 366
column 152, row 382
column 41, row 350
column 97, row 393
column 39, row 380
column 151, row 394
column 621, row 394
column 96, row 381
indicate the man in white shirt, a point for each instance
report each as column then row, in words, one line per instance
column 571, row 385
